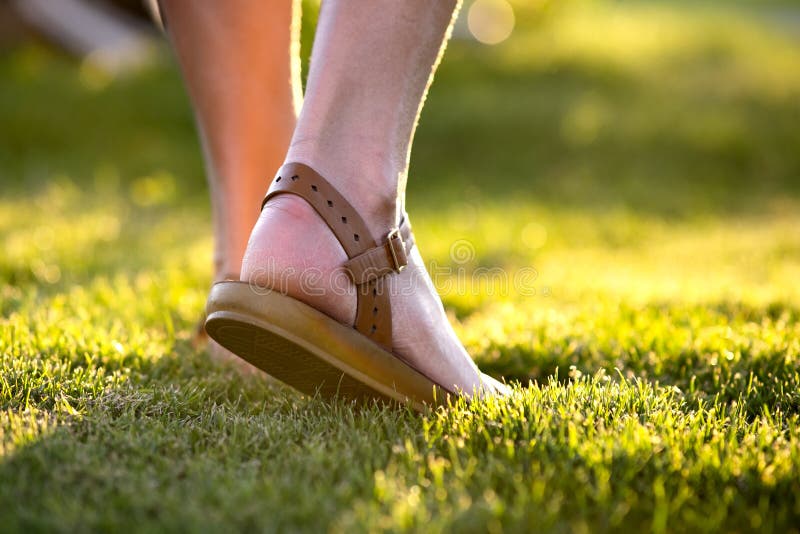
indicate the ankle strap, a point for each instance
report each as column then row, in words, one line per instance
column 369, row 259
column 391, row 256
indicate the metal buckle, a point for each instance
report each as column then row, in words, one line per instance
column 392, row 238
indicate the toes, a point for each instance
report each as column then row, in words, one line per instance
column 491, row 386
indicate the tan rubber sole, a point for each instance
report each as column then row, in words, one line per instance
column 310, row 351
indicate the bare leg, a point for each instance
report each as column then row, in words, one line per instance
column 372, row 63
column 239, row 61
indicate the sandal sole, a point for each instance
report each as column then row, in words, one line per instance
column 310, row 351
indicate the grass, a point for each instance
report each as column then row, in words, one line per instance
column 633, row 170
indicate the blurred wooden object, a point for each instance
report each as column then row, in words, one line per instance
column 109, row 37
column 12, row 28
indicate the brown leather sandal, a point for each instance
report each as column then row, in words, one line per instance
column 199, row 334
column 306, row 348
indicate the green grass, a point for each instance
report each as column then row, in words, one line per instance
column 632, row 167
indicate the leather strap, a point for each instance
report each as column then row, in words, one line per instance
column 369, row 259
column 391, row 256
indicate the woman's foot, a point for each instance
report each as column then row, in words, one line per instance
column 292, row 250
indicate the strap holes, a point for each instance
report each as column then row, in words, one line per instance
column 295, row 177
column 344, row 220
column 375, row 311
column 372, row 330
column 330, row 204
column 313, row 187
column 278, row 179
column 374, row 291
column 355, row 236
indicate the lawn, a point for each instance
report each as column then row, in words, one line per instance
column 610, row 203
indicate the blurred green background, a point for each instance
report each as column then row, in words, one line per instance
column 636, row 164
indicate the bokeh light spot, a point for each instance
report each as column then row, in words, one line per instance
column 153, row 190
column 490, row 21
column 534, row 235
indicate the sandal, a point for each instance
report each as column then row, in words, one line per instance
column 306, row 348
column 199, row 334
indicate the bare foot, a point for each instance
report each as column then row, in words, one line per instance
column 291, row 249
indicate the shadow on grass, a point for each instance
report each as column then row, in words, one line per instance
column 188, row 446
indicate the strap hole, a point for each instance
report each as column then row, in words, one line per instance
column 279, row 178
column 372, row 331
column 330, row 204
column 344, row 220
column 374, row 291
column 375, row 311
column 355, row 236
column 295, row 177
column 313, row 187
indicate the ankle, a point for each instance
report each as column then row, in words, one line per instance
column 369, row 182
column 229, row 248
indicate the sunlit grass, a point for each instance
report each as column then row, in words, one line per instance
column 609, row 205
